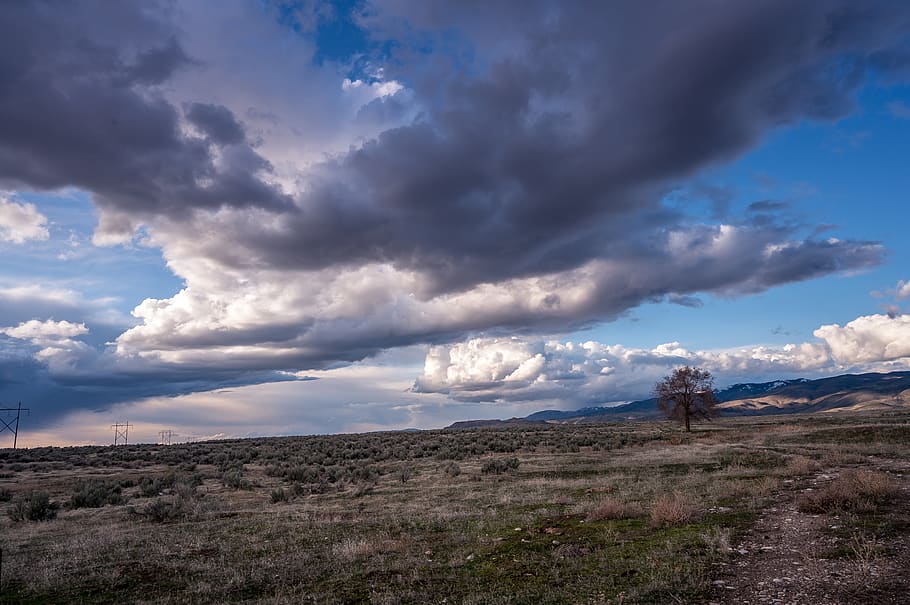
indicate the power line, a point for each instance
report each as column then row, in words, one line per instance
column 165, row 436
column 121, row 432
column 13, row 424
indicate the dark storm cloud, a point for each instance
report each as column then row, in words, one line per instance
column 79, row 107
column 685, row 301
column 813, row 258
column 767, row 206
column 217, row 122
column 547, row 137
column 50, row 395
column 560, row 143
column 157, row 64
column 549, row 149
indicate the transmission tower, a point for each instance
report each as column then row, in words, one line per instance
column 165, row 436
column 12, row 425
column 121, row 433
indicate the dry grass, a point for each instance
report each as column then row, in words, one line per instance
column 610, row 507
column 843, row 455
column 673, row 509
column 853, row 490
column 865, row 551
column 353, row 548
column 651, row 517
column 798, row 466
column 718, row 539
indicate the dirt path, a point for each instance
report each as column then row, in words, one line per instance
column 794, row 557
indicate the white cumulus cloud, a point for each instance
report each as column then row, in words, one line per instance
column 572, row 373
column 21, row 222
column 36, row 330
column 868, row 339
column 56, row 342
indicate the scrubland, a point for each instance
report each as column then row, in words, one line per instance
column 599, row 513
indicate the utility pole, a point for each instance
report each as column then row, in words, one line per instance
column 12, row 425
column 165, row 436
column 121, row 431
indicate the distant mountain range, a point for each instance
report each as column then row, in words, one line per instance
column 849, row 392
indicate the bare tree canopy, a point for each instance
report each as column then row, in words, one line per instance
column 686, row 394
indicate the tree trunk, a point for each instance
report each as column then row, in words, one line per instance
column 688, row 428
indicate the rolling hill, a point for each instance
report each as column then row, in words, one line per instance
column 848, row 392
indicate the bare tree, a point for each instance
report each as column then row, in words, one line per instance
column 687, row 393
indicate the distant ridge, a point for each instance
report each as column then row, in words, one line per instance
column 848, row 392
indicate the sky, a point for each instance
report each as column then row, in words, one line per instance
column 255, row 217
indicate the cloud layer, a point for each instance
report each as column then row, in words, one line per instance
column 525, row 194
column 495, row 171
column 573, row 375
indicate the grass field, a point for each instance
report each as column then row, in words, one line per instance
column 608, row 513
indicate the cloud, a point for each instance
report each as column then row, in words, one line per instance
column 57, row 375
column 868, row 339
column 83, row 108
column 571, row 374
column 767, row 206
column 360, row 397
column 500, row 171
column 502, row 182
column 903, row 290
column 293, row 102
column 217, row 122
column 230, row 317
column 21, row 222
column 61, row 365
column 41, row 331
column 22, row 301
column 55, row 343
column 685, row 301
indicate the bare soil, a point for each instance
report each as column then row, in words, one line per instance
column 790, row 556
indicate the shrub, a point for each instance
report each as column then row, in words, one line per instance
column 162, row 510
column 451, row 469
column 279, row 495
column 155, row 486
column 303, row 474
column 323, row 487
column 186, row 489
column 95, row 493
column 183, row 501
column 5, row 495
column 233, row 478
column 857, row 491
column 672, row 509
column 499, row 465
column 404, row 474
column 33, row 506
column 363, row 488
column 152, row 486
